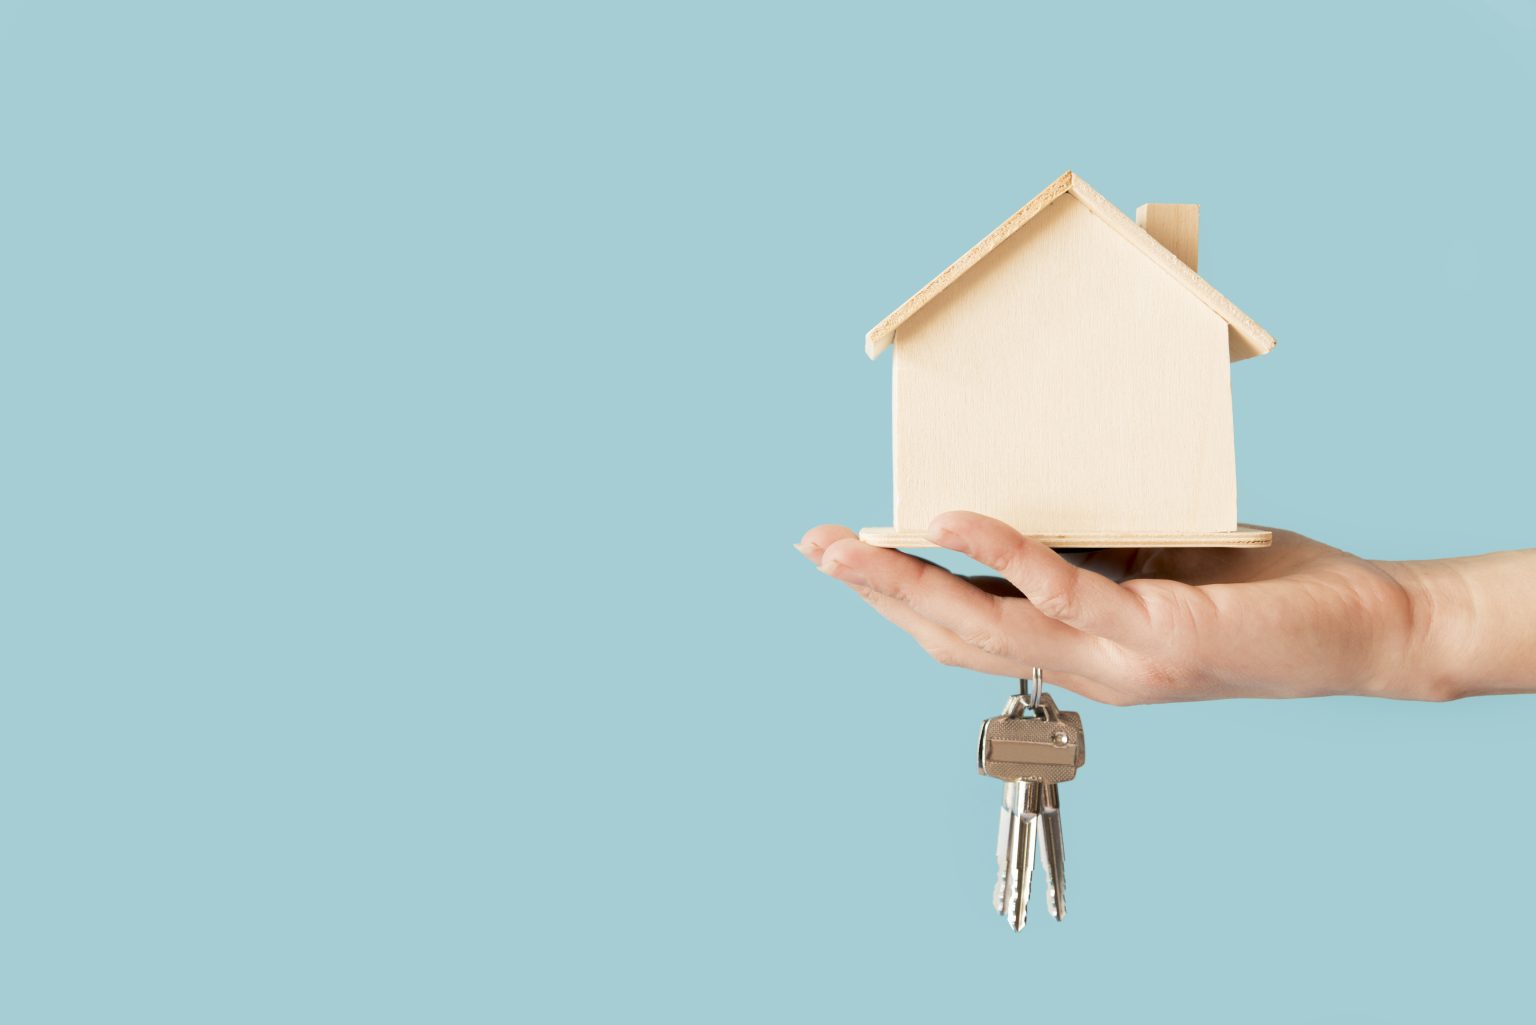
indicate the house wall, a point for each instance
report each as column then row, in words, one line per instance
column 1066, row 383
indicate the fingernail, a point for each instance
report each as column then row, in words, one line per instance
column 946, row 539
column 807, row 549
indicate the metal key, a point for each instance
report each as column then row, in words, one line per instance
column 1018, row 835
column 1008, row 824
column 1018, row 831
column 1005, row 894
column 1032, row 747
column 1053, row 854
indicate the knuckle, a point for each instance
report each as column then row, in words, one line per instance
column 982, row 639
column 1008, row 559
column 900, row 585
column 986, row 633
column 992, row 644
column 906, row 584
column 1060, row 601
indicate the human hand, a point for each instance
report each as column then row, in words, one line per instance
column 1133, row 626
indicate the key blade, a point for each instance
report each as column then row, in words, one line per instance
column 1011, row 904
column 1009, row 869
column 1024, row 873
column 1008, row 880
column 1023, row 843
column 1054, row 853
column 1005, row 827
column 1054, row 864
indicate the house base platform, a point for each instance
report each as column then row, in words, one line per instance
column 1242, row 537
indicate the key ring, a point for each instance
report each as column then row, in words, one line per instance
column 1031, row 689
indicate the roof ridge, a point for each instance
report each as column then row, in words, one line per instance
column 1245, row 337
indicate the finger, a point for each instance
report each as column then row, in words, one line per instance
column 1063, row 592
column 998, row 626
column 949, row 650
column 944, row 645
column 941, row 645
column 819, row 539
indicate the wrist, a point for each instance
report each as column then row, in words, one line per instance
column 1432, row 666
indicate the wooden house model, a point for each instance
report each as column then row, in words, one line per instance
column 1069, row 375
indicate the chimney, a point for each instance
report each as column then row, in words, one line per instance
column 1176, row 226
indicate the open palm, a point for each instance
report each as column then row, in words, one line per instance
column 1131, row 626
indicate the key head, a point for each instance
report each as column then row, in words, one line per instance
column 1047, row 709
column 1043, row 747
column 1033, row 749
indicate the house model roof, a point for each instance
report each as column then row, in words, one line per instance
column 1244, row 337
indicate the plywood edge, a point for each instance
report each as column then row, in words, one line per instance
column 1245, row 337
column 1176, row 226
column 1243, row 537
column 880, row 336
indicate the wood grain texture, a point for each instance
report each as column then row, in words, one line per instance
column 1242, row 537
column 1245, row 337
column 883, row 333
column 1176, row 226
column 1066, row 386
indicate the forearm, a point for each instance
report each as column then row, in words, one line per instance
column 1474, row 623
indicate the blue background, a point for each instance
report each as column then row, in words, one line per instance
column 406, row 413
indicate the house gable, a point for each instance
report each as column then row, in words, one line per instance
column 1245, row 337
column 1066, row 383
